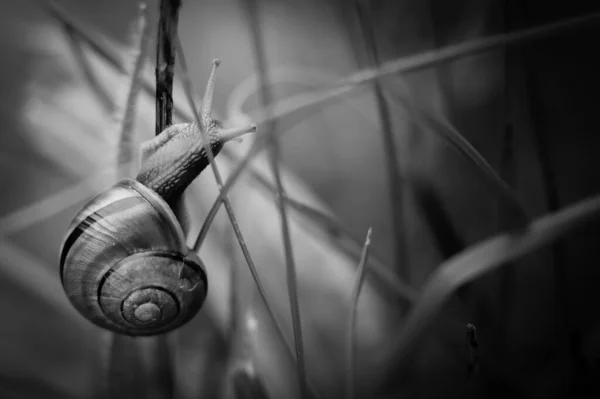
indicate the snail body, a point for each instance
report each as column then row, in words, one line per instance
column 124, row 262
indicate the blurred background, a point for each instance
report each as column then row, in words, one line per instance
column 528, row 109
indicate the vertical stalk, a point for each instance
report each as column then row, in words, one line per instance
column 351, row 349
column 165, row 62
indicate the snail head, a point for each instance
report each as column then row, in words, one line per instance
column 174, row 158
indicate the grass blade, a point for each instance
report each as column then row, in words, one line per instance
column 165, row 62
column 351, row 337
column 519, row 216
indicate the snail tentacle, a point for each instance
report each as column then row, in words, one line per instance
column 174, row 158
column 206, row 109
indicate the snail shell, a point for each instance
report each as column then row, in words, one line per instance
column 125, row 265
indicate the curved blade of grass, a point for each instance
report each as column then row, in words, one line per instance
column 483, row 258
column 351, row 337
column 489, row 176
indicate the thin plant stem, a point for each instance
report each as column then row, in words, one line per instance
column 236, row 309
column 351, row 330
column 275, row 158
column 165, row 62
column 390, row 146
column 158, row 348
column 188, row 89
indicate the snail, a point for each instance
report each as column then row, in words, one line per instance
column 124, row 263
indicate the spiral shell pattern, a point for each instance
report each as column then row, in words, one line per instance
column 125, row 266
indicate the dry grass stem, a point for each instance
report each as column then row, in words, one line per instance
column 351, row 337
